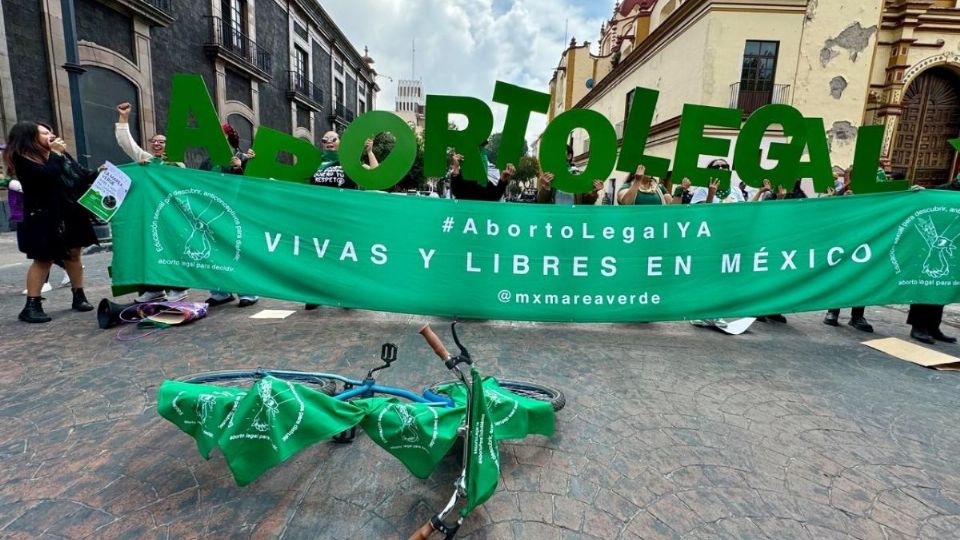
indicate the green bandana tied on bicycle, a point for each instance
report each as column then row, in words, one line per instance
column 260, row 427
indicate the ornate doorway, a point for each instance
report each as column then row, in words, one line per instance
column 931, row 117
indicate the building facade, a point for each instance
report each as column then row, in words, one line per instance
column 889, row 62
column 282, row 64
column 410, row 104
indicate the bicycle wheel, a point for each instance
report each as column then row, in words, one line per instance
column 522, row 388
column 247, row 378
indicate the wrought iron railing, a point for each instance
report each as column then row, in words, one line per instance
column 341, row 111
column 163, row 5
column 753, row 96
column 226, row 34
column 300, row 83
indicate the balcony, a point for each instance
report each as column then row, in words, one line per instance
column 232, row 46
column 157, row 12
column 340, row 114
column 301, row 90
column 758, row 96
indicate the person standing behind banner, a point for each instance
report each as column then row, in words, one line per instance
column 925, row 319
column 641, row 189
column 331, row 173
column 158, row 151
column 857, row 318
column 238, row 164
column 546, row 193
column 492, row 190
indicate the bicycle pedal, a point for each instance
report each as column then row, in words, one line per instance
column 345, row 437
column 388, row 352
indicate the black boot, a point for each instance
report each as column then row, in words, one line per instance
column 80, row 301
column 921, row 335
column 33, row 311
column 832, row 318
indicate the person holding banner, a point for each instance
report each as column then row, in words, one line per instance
column 36, row 158
column 238, row 164
column 641, row 189
column 158, row 150
column 547, row 194
column 330, row 173
column 492, row 190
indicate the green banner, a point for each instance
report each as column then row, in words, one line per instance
column 372, row 250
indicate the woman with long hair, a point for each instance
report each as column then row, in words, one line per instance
column 37, row 161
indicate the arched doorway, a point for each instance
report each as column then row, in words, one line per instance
column 931, row 117
column 101, row 91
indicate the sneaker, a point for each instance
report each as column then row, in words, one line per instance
column 177, row 295
column 248, row 300
column 151, row 296
column 46, row 288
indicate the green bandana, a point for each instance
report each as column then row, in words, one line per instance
column 329, row 158
column 722, row 194
column 483, row 456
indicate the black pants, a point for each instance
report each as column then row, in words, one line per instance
column 925, row 317
column 855, row 313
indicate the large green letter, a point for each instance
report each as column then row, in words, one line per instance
column 746, row 159
column 635, row 133
column 603, row 150
column 818, row 167
column 693, row 143
column 269, row 143
column 863, row 177
column 395, row 166
column 190, row 95
column 520, row 103
column 466, row 142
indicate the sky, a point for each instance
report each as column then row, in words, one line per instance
column 464, row 46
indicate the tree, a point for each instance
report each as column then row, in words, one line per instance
column 493, row 147
column 527, row 169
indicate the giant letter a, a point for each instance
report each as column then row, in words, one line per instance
column 190, row 95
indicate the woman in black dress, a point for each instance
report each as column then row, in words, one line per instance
column 51, row 228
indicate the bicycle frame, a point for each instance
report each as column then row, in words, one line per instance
column 369, row 387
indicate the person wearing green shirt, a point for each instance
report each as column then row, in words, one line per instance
column 643, row 190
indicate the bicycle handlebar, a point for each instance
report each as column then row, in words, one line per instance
column 424, row 532
column 434, row 341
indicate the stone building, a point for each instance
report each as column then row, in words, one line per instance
column 889, row 62
column 279, row 63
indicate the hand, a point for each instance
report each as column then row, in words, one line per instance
column 58, row 146
column 641, row 169
column 685, row 183
column 368, row 145
column 124, row 110
column 456, row 158
column 714, row 186
column 145, row 161
column 597, row 186
column 916, row 188
column 102, row 167
column 546, row 179
column 509, row 171
column 766, row 186
column 236, row 163
column 831, row 192
column 781, row 192
column 251, row 154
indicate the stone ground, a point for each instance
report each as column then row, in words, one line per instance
column 670, row 431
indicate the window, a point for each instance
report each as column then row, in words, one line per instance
column 300, row 64
column 629, row 105
column 235, row 21
column 338, row 66
column 757, row 74
column 338, row 92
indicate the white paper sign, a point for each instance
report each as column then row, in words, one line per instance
column 107, row 192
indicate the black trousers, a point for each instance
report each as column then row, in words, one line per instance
column 925, row 316
column 855, row 313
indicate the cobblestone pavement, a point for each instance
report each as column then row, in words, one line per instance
column 788, row 431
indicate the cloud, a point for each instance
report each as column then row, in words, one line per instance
column 464, row 46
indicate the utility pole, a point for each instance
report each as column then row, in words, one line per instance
column 74, row 70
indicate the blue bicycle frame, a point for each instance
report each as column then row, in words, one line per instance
column 369, row 388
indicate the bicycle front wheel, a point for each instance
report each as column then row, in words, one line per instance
column 247, row 378
column 525, row 389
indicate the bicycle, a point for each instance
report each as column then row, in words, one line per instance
column 225, row 417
